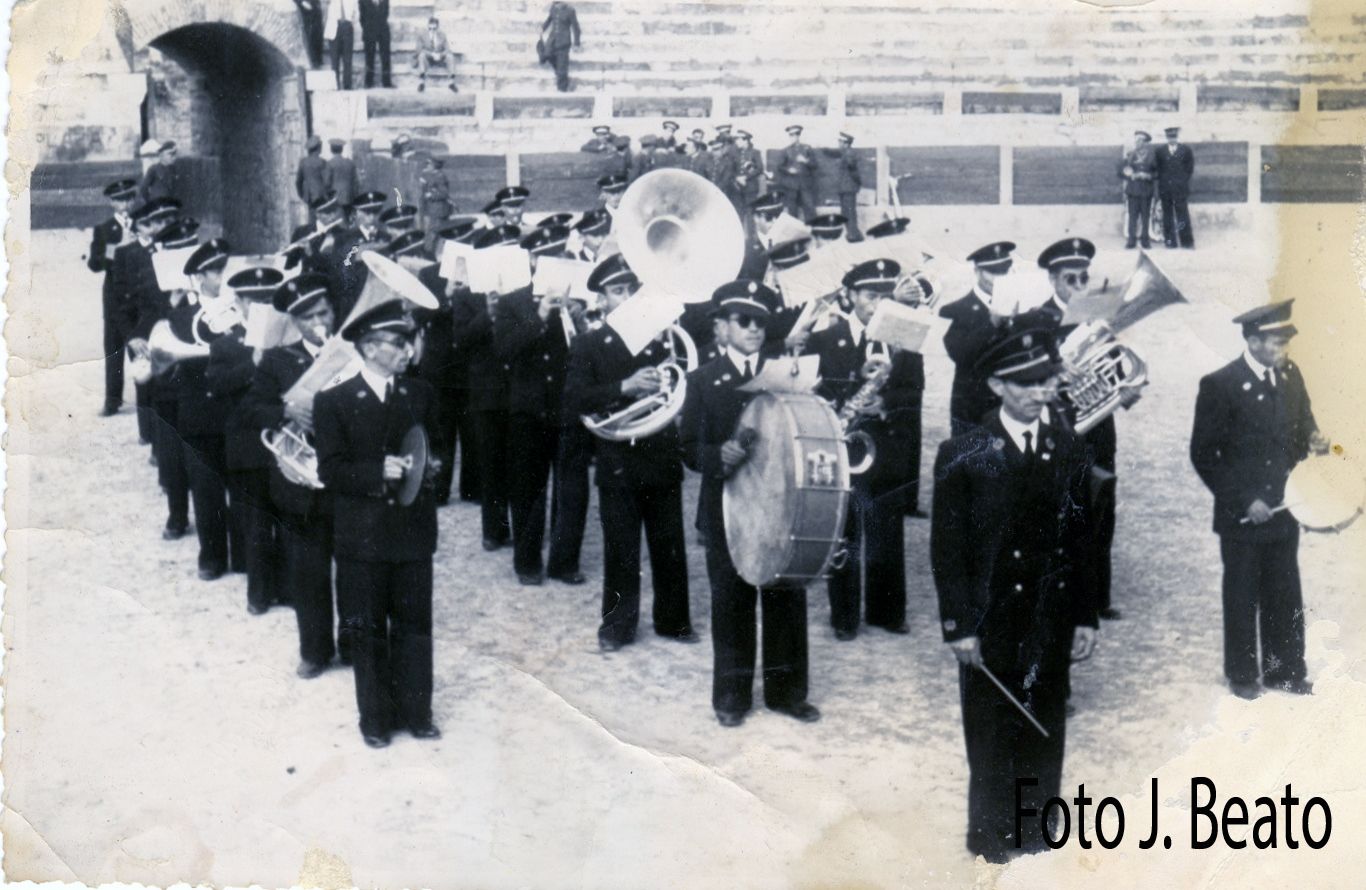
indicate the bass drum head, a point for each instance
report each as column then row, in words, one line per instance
column 1325, row 492
column 784, row 507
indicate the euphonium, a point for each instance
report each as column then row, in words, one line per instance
column 876, row 370
column 683, row 238
column 1097, row 368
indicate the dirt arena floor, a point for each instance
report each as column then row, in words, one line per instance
column 156, row 733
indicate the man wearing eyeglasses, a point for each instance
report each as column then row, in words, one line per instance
column 383, row 548
column 1068, row 263
column 710, row 447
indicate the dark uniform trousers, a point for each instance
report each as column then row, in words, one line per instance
column 249, row 502
column 533, row 444
column 1248, row 436
column 465, row 442
column 1018, row 581
column 374, row 35
column 569, row 513
column 874, row 534
column 639, row 485
column 383, row 549
column 710, row 415
column 487, row 403
column 343, row 49
column 170, row 455
column 104, row 236
column 492, row 432
column 205, row 466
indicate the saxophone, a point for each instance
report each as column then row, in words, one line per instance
column 875, row 372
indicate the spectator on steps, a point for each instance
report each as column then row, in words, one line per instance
column 560, row 31
column 340, row 28
column 311, row 17
column 345, row 180
column 374, row 35
column 432, row 50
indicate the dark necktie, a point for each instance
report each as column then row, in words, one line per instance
column 1029, row 445
column 389, row 391
column 1270, row 377
column 748, row 374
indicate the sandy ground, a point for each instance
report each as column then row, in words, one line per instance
column 156, row 733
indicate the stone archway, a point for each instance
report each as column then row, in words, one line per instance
column 227, row 86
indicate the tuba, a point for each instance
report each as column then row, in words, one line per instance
column 338, row 360
column 1097, row 368
column 682, row 237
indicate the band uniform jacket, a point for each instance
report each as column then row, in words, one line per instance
column 437, row 364
column 354, row 430
column 313, row 256
column 848, row 177
column 487, row 374
column 436, row 195
column 710, row 414
column 345, row 181
column 346, row 271
column 313, row 178
column 1006, row 548
column 263, row 408
column 139, row 301
column 1141, row 164
column 104, row 236
column 841, row 373
column 598, row 363
column 199, row 412
column 796, row 165
column 229, row 376
column 561, row 28
column 537, row 355
column 1247, row 437
column 971, row 332
column 1174, row 170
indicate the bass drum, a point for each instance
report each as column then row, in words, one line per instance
column 1325, row 493
column 784, row 507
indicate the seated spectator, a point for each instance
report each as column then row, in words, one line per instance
column 432, row 50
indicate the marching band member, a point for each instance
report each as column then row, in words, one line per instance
column 827, row 230
column 383, row 549
column 1253, row 423
column 105, row 239
column 456, row 399
column 877, row 502
column 511, row 202
column 472, row 320
column 347, row 273
column 1068, row 263
column 593, row 228
column 610, row 189
column 315, row 251
column 398, row 219
column 204, row 315
column 532, row 336
column 639, row 482
column 136, row 290
column 232, row 365
column 973, row 328
column 710, row 447
column 1008, row 555
column 305, row 519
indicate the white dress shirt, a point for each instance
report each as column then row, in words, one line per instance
column 1259, row 369
column 739, row 360
column 1016, row 430
column 377, row 382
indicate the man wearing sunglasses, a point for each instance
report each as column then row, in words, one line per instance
column 1068, row 263
column 711, row 447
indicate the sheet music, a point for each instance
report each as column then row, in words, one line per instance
column 818, row 276
column 642, row 318
column 1020, row 291
column 502, row 269
column 169, row 266
column 267, row 327
column 900, row 325
column 777, row 375
column 560, row 276
column 454, row 260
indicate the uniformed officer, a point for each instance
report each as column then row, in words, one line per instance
column 313, row 179
column 162, row 178
column 848, row 182
column 1138, row 170
column 1007, row 556
column 639, row 481
column 699, row 161
column 593, row 228
column 314, row 253
column 1068, row 263
column 532, row 334
column 610, row 189
column 670, row 138
column 105, row 239
column 347, row 273
column 383, row 548
column 398, row 219
column 232, row 365
column 472, row 322
column 711, row 447
column 305, row 519
column 602, row 141
column 724, row 169
column 565, row 219
column 511, row 202
column 877, row 504
column 749, row 172
column 1253, row 423
column 206, row 314
column 796, row 175
column 1175, row 167
column 344, row 178
column 140, row 297
column 456, row 400
column 826, row 229
column 973, row 328
column 764, row 211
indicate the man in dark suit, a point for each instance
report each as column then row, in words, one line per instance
column 874, row 529
column 1253, row 423
column 342, row 170
column 532, row 334
column 639, row 480
column 374, row 35
column 161, row 179
column 973, row 327
column 313, row 179
column 472, row 319
column 848, row 183
column 1068, row 263
column 558, row 34
column 383, row 548
column 796, row 175
column 311, row 18
column 1137, row 169
column 232, row 365
column 1175, row 166
column 105, row 239
column 1013, row 600
column 305, row 519
column 710, row 413
column 339, row 27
